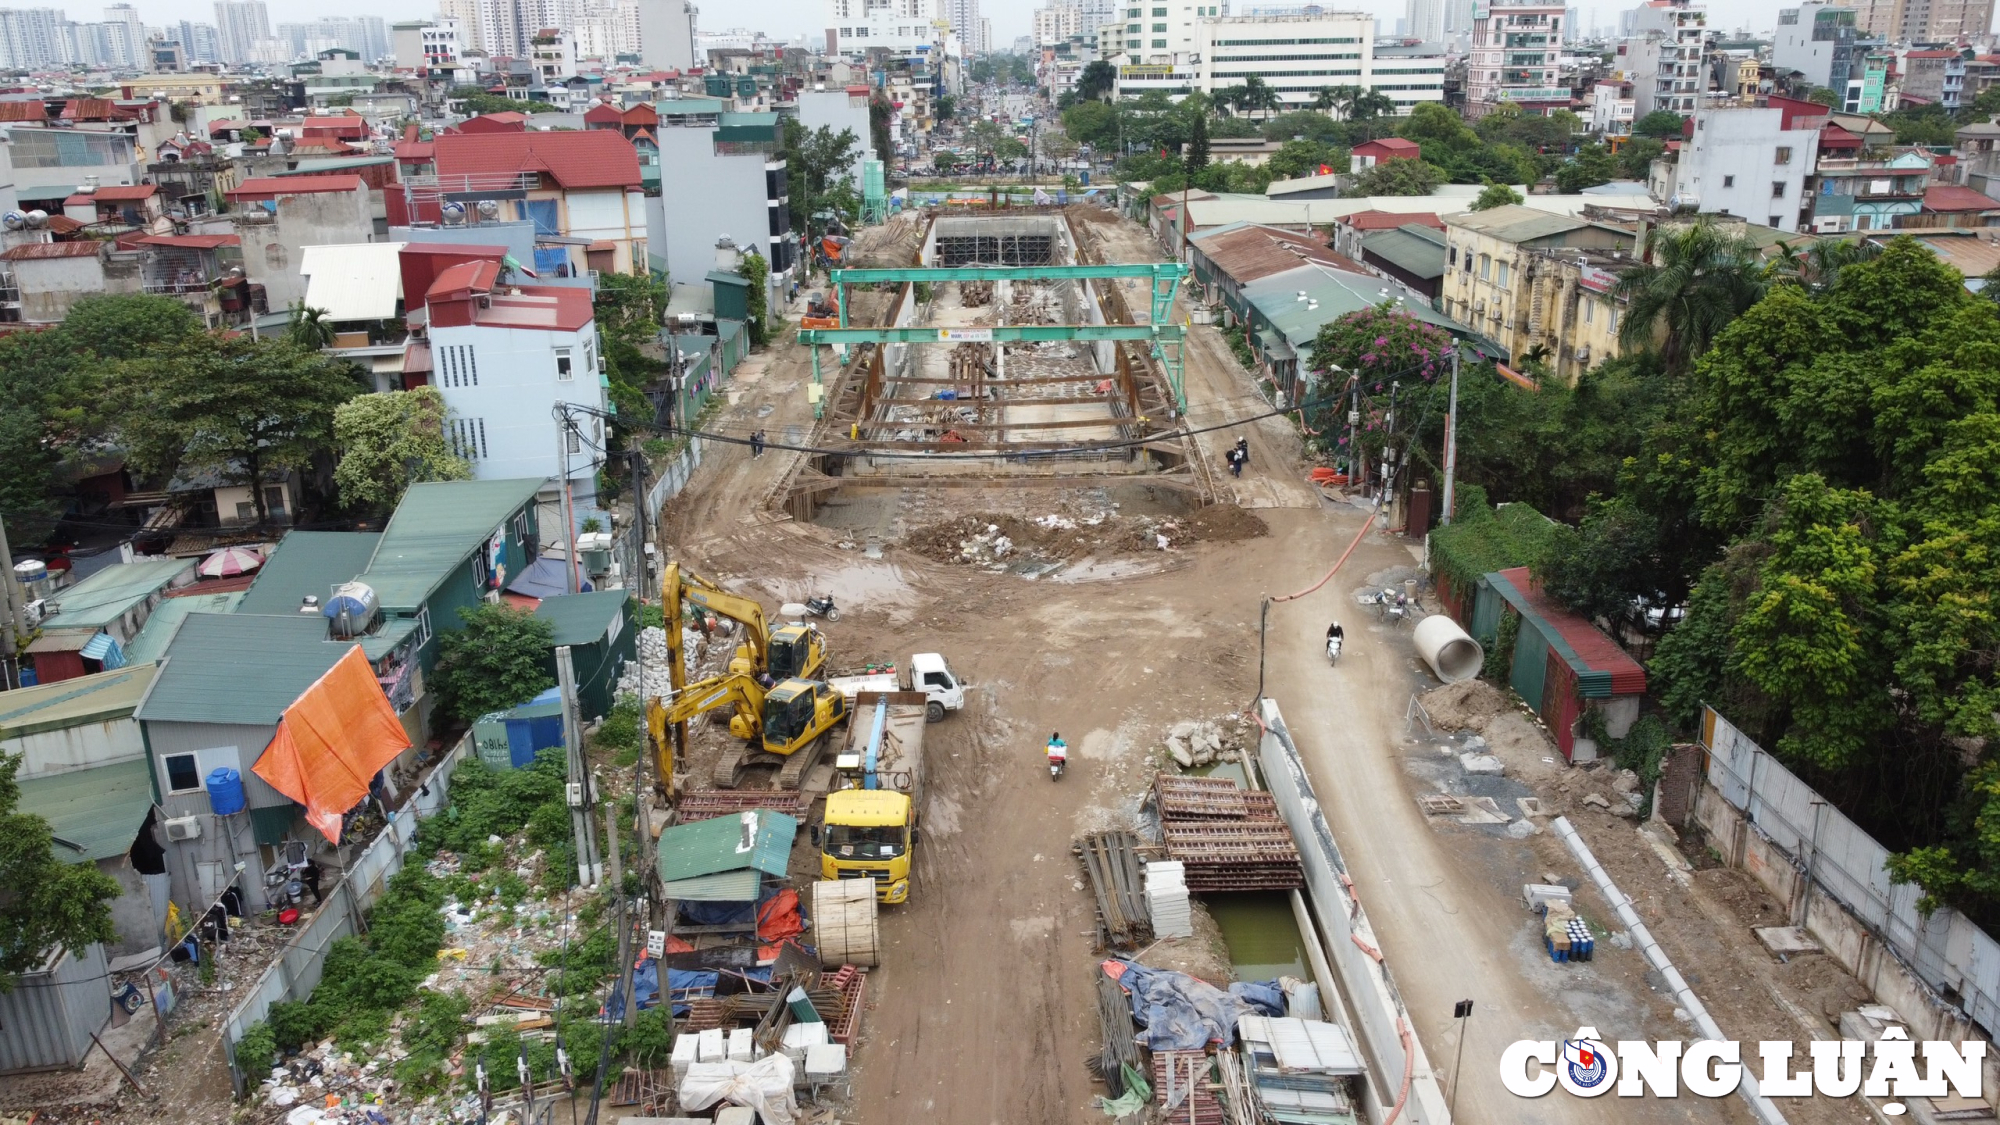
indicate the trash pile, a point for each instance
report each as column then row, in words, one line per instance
column 327, row 1086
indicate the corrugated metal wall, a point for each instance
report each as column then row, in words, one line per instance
column 47, row 1021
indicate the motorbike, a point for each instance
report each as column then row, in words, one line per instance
column 1058, row 759
column 822, row 606
column 1333, row 643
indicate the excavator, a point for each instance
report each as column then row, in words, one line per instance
column 785, row 725
column 788, row 658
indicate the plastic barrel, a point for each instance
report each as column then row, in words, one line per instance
column 225, row 791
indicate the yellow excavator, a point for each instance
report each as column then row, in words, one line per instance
column 778, row 721
column 785, row 725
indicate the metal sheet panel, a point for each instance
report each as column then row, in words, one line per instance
column 47, row 1021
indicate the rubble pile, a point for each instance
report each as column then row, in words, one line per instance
column 647, row 676
column 1193, row 743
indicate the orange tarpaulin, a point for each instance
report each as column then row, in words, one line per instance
column 331, row 741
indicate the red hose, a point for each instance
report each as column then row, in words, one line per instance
column 1402, row 1033
column 1358, row 536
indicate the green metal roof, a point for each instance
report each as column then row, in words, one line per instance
column 1517, row 223
column 690, row 107
column 438, row 525
column 384, row 640
column 240, row 668
column 99, row 810
column 166, row 618
column 1338, row 293
column 582, row 619
column 324, row 164
column 694, row 859
column 104, row 597
column 308, row 562
column 1416, row 248
column 69, row 703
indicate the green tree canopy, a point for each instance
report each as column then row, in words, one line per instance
column 1694, row 281
column 1496, row 195
column 1092, row 123
column 499, row 660
column 1305, row 158
column 48, row 903
column 817, row 161
column 1662, row 123
column 241, row 408
column 390, row 441
column 1399, row 177
column 1592, row 165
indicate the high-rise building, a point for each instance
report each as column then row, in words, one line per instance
column 985, row 36
column 241, row 28
column 963, row 15
column 1056, row 21
column 1943, row 21
column 897, row 25
column 197, row 40
column 666, row 33
column 1820, row 41
column 1662, row 56
column 31, row 38
column 466, row 12
column 1161, row 35
column 124, row 36
column 366, row 36
column 1516, row 57
column 1425, row 21
column 1325, row 48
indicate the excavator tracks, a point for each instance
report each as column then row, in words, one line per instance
column 729, row 769
column 792, row 774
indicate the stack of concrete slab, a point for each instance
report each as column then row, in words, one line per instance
column 1167, row 899
column 802, row 1037
column 825, row 1062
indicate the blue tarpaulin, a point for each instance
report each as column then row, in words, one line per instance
column 1184, row 1013
column 546, row 577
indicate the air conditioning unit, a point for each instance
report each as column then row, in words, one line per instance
column 184, row 828
column 1479, row 306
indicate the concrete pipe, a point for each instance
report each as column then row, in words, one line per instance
column 1446, row 648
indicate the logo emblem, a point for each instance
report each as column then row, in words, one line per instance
column 1586, row 1066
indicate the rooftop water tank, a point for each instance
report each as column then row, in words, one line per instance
column 351, row 609
column 225, row 791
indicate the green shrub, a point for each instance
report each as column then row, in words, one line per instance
column 257, row 1051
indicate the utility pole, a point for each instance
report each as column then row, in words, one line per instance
column 1451, row 440
column 588, row 868
column 564, row 424
column 13, row 622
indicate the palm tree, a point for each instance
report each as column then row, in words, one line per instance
column 1228, row 98
column 1258, row 95
column 1695, row 279
column 309, row 329
column 1097, row 82
column 1337, row 100
column 1818, row 266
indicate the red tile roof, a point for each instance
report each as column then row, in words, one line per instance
column 35, row 250
column 1949, row 197
column 596, row 158
column 1395, row 146
column 416, row 152
column 601, row 113
column 295, row 185
column 642, row 114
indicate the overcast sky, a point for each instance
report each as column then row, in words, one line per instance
column 791, row 18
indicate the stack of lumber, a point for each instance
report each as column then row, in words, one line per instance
column 1112, row 861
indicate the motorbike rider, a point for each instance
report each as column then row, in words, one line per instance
column 1058, row 749
column 1335, row 638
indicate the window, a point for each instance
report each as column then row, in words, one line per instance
column 468, row 437
column 1159, row 27
column 1159, row 11
column 1133, row 13
column 1614, row 320
column 575, row 442
column 1778, row 190
column 1784, row 156
column 246, row 512
column 423, row 631
column 1485, row 267
column 1454, row 255
column 1589, row 312
column 1160, row 43
column 1729, row 181
column 1503, row 274
column 479, row 571
column 274, row 501
column 565, row 369
column 183, row 775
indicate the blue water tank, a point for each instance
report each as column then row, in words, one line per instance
column 225, row 791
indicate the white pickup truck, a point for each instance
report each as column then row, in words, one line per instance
column 925, row 672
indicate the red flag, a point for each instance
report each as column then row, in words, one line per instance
column 1325, row 171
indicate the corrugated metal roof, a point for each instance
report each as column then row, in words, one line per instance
column 240, row 668
column 67, row 703
column 165, row 621
column 104, row 597
column 437, row 526
column 581, row 619
column 99, row 810
column 758, row 840
column 320, row 165
column 37, row 250
column 1338, row 292
column 1250, row 251
column 1515, row 223
column 357, row 281
column 735, row 886
column 595, row 158
column 1602, row 668
column 307, row 562
column 1413, row 246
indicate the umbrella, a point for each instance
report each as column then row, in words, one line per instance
column 229, row 562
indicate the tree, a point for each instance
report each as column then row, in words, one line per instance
column 1098, row 81
column 944, row 160
column 1592, row 165
column 1092, row 123
column 816, row 162
column 1820, row 95
column 243, row 409
column 1818, row 266
column 390, row 441
column 1337, row 100
column 309, row 328
column 1197, row 149
column 1398, row 177
column 498, row 660
column 1694, row 280
column 49, row 902
column 756, row 271
column 1496, row 195
column 1305, row 158
column 1377, row 348
column 478, row 101
column 1635, row 160
column 1662, row 123
column 127, row 325
column 1258, row 97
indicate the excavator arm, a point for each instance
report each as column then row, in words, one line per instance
column 667, row 722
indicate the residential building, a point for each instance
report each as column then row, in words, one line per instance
column 1516, row 57
column 1281, row 326
column 41, row 281
column 1753, row 162
column 963, row 16
column 277, row 217
column 1491, row 258
column 426, row 43
column 241, row 29
column 897, row 26
column 1934, row 76
column 165, row 57
column 504, row 356
column 48, row 163
column 1111, row 40
column 88, row 625
column 1821, row 42
column 84, row 770
column 1613, row 109
column 746, row 196
column 553, row 55
column 1871, row 193
column 666, row 33
column 124, row 35
column 839, row 109
column 1947, row 205
column 1662, row 56
column 1370, row 153
column 1165, row 34
column 574, row 185
column 34, row 38
column 1226, row 259
column 200, row 41
column 1057, row 22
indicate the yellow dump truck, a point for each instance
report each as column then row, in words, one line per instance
column 871, row 814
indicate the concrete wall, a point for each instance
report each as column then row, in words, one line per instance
column 224, row 841
column 616, row 216
column 51, row 752
column 706, row 196
column 51, row 286
column 271, row 247
column 834, row 110
column 1366, row 984
column 1729, row 165
column 513, row 398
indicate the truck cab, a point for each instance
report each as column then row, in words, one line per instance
column 932, row 676
column 868, row 836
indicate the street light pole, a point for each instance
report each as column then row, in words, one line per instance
column 1451, row 441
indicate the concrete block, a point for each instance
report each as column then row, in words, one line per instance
column 714, row 1046
column 736, row 1115
column 740, row 1043
column 1481, row 764
column 1786, row 940
column 826, row 1060
column 1539, row 893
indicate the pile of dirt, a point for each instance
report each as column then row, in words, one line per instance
column 990, row 539
column 1468, row 705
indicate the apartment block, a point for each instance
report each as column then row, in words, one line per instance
column 1662, row 56
column 1522, row 277
column 1516, row 57
column 1821, row 41
column 745, row 194
column 855, row 26
column 1753, row 162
